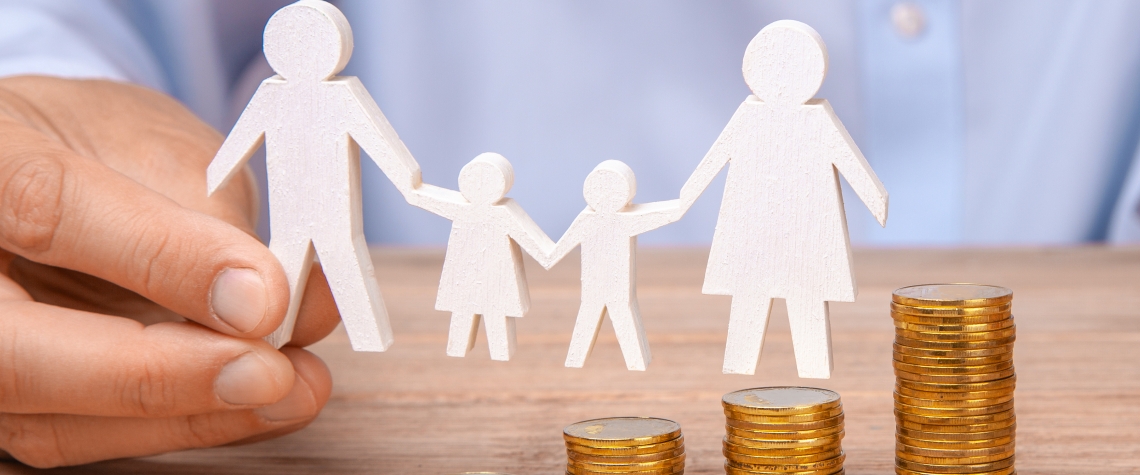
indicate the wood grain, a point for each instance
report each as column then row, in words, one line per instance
column 414, row 410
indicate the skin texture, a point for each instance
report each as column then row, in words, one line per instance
column 109, row 250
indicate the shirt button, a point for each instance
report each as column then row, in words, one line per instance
column 908, row 19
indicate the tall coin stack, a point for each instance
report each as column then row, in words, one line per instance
column 630, row 445
column 783, row 429
column 953, row 359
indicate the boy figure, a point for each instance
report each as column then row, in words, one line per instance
column 313, row 123
column 607, row 230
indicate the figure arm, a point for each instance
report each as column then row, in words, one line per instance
column 245, row 138
column 649, row 216
column 569, row 240
column 850, row 162
column 442, row 201
column 527, row 234
column 716, row 158
column 372, row 131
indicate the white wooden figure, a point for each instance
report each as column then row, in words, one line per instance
column 607, row 231
column 312, row 123
column 483, row 276
column 782, row 231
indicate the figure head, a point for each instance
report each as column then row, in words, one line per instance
column 785, row 63
column 308, row 41
column 610, row 187
column 486, row 179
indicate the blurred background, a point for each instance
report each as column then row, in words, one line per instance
column 990, row 123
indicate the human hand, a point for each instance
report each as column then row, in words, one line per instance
column 132, row 305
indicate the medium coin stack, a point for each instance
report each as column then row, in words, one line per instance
column 953, row 359
column 779, row 430
column 630, row 445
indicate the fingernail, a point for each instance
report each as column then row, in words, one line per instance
column 299, row 404
column 238, row 298
column 246, row 380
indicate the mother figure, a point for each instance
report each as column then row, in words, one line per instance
column 782, row 232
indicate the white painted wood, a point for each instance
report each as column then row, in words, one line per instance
column 313, row 124
column 782, row 231
column 483, row 277
column 607, row 231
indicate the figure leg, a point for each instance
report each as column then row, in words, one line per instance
column 461, row 335
column 296, row 257
column 747, row 323
column 500, row 336
column 586, row 327
column 811, row 337
column 348, row 268
column 626, row 319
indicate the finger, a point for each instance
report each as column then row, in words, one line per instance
column 53, row 440
column 318, row 315
column 55, row 360
column 63, row 210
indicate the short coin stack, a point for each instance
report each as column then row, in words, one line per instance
column 953, row 359
column 630, row 445
column 783, row 430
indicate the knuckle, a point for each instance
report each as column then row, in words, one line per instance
column 32, row 440
column 204, row 430
column 31, row 191
column 147, row 389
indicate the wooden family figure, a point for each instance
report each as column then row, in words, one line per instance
column 781, row 231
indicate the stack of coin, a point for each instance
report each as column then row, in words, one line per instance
column 783, row 429
column 631, row 445
column 953, row 359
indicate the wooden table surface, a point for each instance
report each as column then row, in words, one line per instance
column 414, row 410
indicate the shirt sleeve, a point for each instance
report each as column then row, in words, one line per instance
column 74, row 39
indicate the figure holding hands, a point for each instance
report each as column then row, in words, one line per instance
column 483, row 277
column 607, row 231
column 782, row 231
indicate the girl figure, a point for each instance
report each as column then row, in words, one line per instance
column 483, row 277
column 782, row 232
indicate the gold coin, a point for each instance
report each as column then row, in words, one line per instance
column 948, row 403
column 935, row 361
column 784, row 444
column 954, row 378
column 953, row 411
column 827, row 464
column 634, row 458
column 1005, row 471
column 784, row 427
column 631, row 467
column 776, row 452
column 951, row 352
column 573, row 470
column 779, row 459
column 956, row 369
column 793, row 435
column 1005, row 449
column 954, row 460
column 731, row 469
column 953, row 420
column 956, row 428
column 791, row 419
column 679, row 442
column 944, row 320
column 955, row 395
column 621, row 431
column 957, row 336
column 948, row 437
column 952, row 295
column 951, row 311
column 953, row 345
column 955, row 327
column 781, row 401
column 955, row 444
column 936, row 387
column 954, row 468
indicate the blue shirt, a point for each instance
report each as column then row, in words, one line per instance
column 988, row 122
